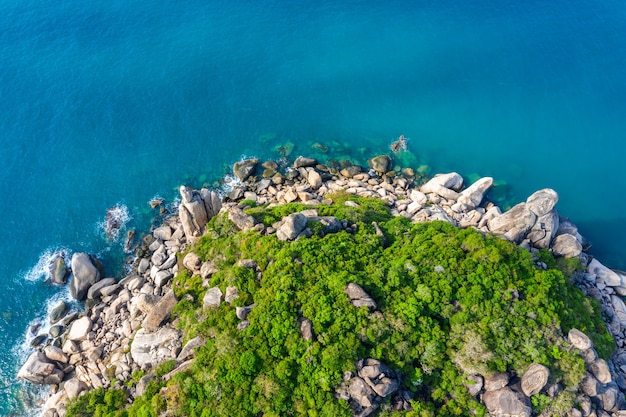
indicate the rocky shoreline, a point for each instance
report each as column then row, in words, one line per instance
column 126, row 325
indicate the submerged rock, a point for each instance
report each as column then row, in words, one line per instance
column 245, row 168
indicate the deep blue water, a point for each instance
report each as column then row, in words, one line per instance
column 105, row 103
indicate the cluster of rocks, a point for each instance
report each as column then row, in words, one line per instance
column 506, row 394
column 93, row 349
column 372, row 384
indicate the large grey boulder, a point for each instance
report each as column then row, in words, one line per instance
column 579, row 340
column 292, row 226
column 600, row 369
column 514, row 224
column 542, row 202
column 163, row 232
column 359, row 297
column 40, row 370
column 192, row 212
column 74, row 387
column 212, row 202
column 95, row 289
column 190, row 347
column 314, row 179
column 79, row 329
column 85, row 274
column 245, row 168
column 505, row 402
column 361, row 392
column 213, row 297
column 496, row 381
column 567, row 246
column 610, row 397
column 55, row 354
column 473, row 195
column 535, row 378
column 544, row 230
column 452, row 181
column 242, row 220
column 160, row 312
column 306, row 329
column 605, row 275
column 474, row 384
column 302, row 162
column 150, row 349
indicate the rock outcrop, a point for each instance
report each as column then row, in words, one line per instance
column 84, row 275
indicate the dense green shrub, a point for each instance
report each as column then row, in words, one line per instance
column 450, row 302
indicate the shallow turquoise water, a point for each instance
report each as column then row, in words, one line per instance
column 114, row 103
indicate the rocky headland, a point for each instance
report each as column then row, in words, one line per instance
column 126, row 324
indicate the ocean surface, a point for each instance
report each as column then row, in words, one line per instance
column 114, row 103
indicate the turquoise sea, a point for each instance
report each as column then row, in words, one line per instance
column 114, row 103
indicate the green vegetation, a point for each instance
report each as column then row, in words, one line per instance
column 451, row 303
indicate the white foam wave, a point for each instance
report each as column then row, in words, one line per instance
column 43, row 268
column 114, row 221
column 229, row 182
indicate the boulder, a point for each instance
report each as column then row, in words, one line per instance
column 212, row 202
column 145, row 302
column 85, row 274
column 292, row 226
column 74, row 387
column 195, row 218
column 600, row 369
column 578, row 339
column 473, row 195
column 242, row 312
column 162, row 233
column 245, row 168
column 542, row 202
column 95, row 289
column 314, row 179
column 351, row 171
column 59, row 271
column 544, row 229
column 361, row 392
column 505, row 402
column 79, row 329
column 496, row 381
column 160, row 312
column 359, row 297
column 302, row 162
column 567, row 246
column 474, row 384
column 242, row 220
column 192, row 262
column 452, row 181
column 379, row 377
column 55, row 354
column 40, row 370
column 150, row 349
column 213, row 297
column 514, row 223
column 381, row 163
column 610, row 397
column 605, row 275
column 619, row 308
column 534, row 379
column 190, row 348
column 59, row 311
column 306, row 329
column 161, row 278
column 232, row 293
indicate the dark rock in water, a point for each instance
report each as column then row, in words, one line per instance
column 304, row 162
column 59, row 312
column 351, row 171
column 114, row 220
column 85, row 275
column 34, row 328
column 130, row 235
column 270, row 165
column 56, row 331
column 244, row 169
column 380, row 163
column 38, row 340
column 59, row 271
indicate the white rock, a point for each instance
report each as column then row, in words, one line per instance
column 213, row 297
column 473, row 195
column 154, row 348
column 79, row 329
column 452, row 181
column 604, row 274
